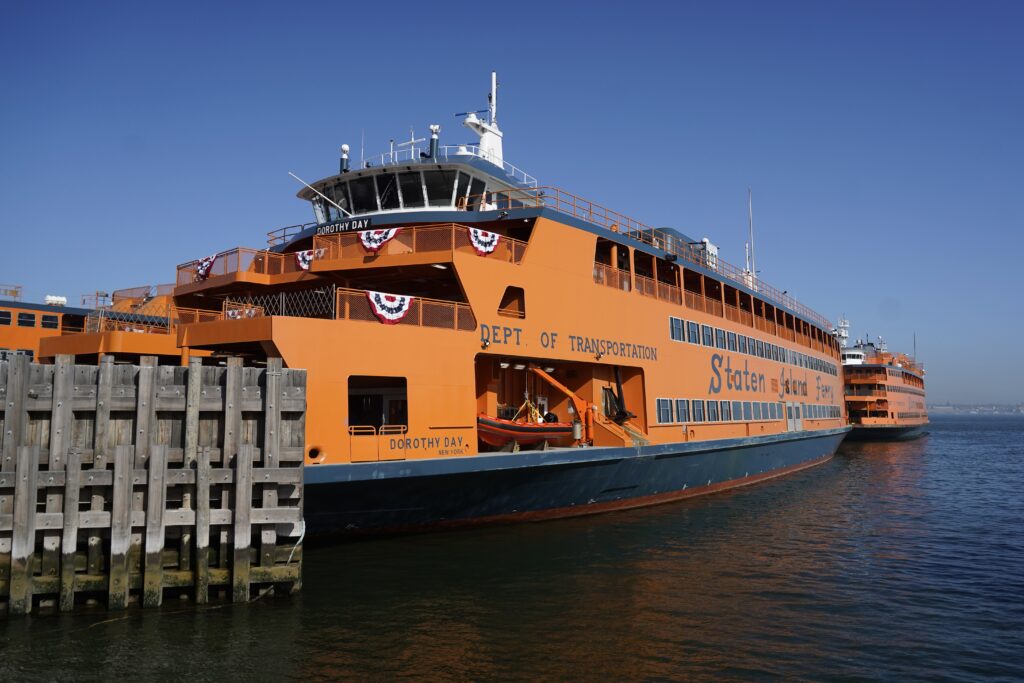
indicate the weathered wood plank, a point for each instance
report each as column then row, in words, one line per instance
column 101, row 450
column 271, row 448
column 69, row 541
column 202, row 561
column 15, row 419
column 23, row 543
column 153, row 593
column 232, row 429
column 193, row 395
column 120, row 527
column 243, row 526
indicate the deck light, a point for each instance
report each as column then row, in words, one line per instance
column 439, row 266
column 503, row 365
column 485, row 343
column 549, row 369
column 518, row 366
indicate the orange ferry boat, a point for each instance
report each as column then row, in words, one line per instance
column 480, row 348
column 884, row 392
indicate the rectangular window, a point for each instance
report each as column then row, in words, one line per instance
column 440, row 185
column 682, row 410
column 698, row 410
column 773, row 411
column 693, row 333
column 377, row 401
column 664, row 411
column 719, row 338
column 26, row 320
column 726, row 411
column 748, row 413
column 737, row 410
column 764, row 411
column 5, row 317
column 709, row 335
column 460, row 189
column 742, row 343
column 412, row 189
column 676, row 328
column 712, row 411
column 387, row 190
column 757, row 410
column 364, row 195
column 732, row 341
column 49, row 322
column 760, row 349
column 476, row 191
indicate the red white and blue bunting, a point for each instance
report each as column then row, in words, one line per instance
column 483, row 242
column 373, row 240
column 203, row 267
column 389, row 308
column 304, row 259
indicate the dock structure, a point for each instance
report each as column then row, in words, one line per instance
column 136, row 483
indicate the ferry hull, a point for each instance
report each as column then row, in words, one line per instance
column 410, row 496
column 887, row 433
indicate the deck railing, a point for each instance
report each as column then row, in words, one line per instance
column 584, row 209
column 239, row 260
column 285, row 234
column 352, row 304
column 611, row 277
column 440, row 238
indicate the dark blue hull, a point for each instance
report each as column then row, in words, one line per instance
column 861, row 433
column 417, row 495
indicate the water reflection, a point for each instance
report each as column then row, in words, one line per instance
column 891, row 560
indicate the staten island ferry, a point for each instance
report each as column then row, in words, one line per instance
column 884, row 392
column 481, row 348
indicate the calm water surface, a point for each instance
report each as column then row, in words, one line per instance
column 891, row 562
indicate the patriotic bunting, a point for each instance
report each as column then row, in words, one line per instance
column 373, row 240
column 203, row 267
column 389, row 308
column 305, row 258
column 483, row 242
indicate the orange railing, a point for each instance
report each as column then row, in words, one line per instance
column 352, row 304
column 440, row 238
column 577, row 207
column 239, row 260
column 611, row 277
column 285, row 234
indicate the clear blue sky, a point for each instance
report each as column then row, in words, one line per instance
column 882, row 140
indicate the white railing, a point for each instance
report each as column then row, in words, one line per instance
column 448, row 153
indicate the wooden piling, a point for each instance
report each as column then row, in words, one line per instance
column 151, row 458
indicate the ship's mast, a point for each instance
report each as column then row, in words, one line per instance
column 750, row 224
column 490, row 134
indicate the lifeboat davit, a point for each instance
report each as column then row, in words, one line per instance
column 497, row 432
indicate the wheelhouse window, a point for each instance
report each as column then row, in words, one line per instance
column 476, row 191
column 49, row 322
column 461, row 189
column 364, row 195
column 26, row 320
column 440, row 186
column 387, row 190
column 412, row 189
column 339, row 195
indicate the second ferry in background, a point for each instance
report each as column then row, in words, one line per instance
column 482, row 349
column 884, row 392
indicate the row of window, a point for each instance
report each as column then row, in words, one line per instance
column 389, row 191
column 49, row 322
column 862, row 390
column 911, row 416
column 686, row 411
column 689, row 331
column 8, row 354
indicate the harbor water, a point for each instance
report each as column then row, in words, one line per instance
column 900, row 561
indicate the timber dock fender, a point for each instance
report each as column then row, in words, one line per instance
column 136, row 482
